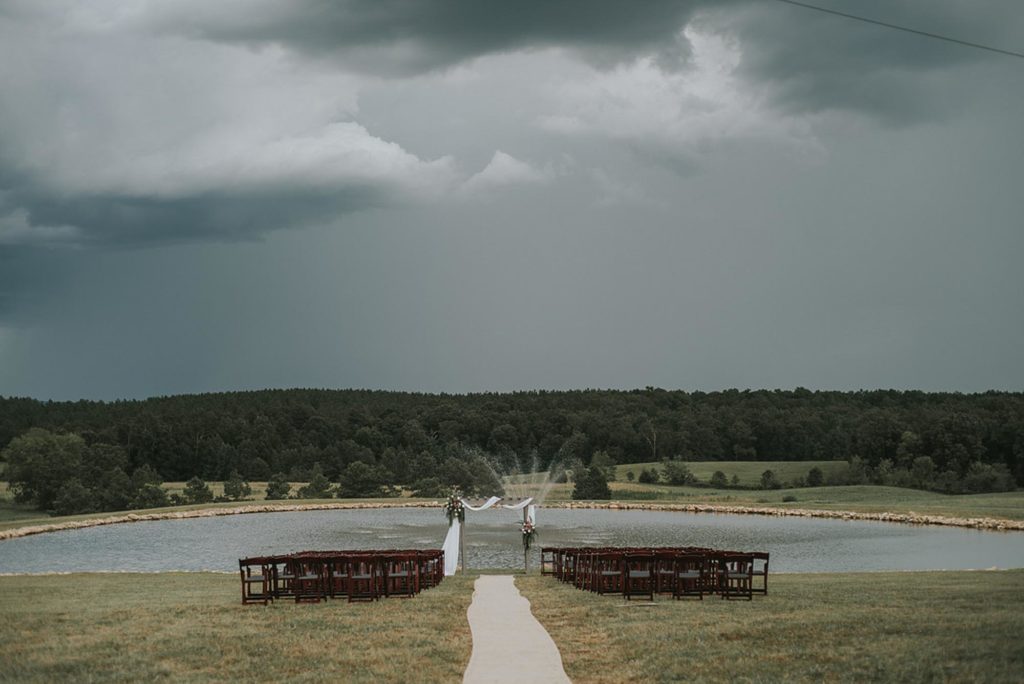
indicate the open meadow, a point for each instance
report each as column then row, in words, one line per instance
column 906, row 627
column 191, row 627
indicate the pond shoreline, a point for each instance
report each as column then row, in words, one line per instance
column 911, row 518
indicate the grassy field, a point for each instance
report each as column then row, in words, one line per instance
column 859, row 498
column 748, row 472
column 906, row 627
column 191, row 627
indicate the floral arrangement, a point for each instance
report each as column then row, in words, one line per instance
column 454, row 509
column 529, row 532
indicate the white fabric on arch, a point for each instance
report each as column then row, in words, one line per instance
column 490, row 502
column 531, row 514
column 451, row 548
column 519, row 506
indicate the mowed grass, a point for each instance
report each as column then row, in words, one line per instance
column 906, row 627
column 191, row 627
column 748, row 472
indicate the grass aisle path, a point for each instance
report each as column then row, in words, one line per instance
column 905, row 627
column 509, row 645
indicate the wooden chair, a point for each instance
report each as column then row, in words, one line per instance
column 309, row 580
column 400, row 573
column 547, row 560
column 608, row 573
column 638, row 575
column 362, row 580
column 760, row 570
column 689, row 580
column 256, row 580
column 737, row 579
column 664, row 570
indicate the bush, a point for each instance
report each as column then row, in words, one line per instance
column 197, row 492
column 678, row 473
column 788, row 498
column 278, row 487
column 235, row 488
column 630, row 475
column 649, row 476
column 72, row 498
column 815, row 478
column 769, row 480
column 591, row 484
column 718, row 480
column 318, row 487
column 429, row 487
column 149, row 496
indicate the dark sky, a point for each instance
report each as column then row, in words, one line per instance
column 470, row 196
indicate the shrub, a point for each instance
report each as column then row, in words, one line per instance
column 591, row 484
column 428, row 487
column 788, row 498
column 278, row 487
column 72, row 498
column 718, row 480
column 235, row 488
column 769, row 480
column 815, row 478
column 649, row 476
column 678, row 473
column 630, row 475
column 318, row 487
column 197, row 492
column 149, row 496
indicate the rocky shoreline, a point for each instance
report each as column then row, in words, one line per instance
column 911, row 518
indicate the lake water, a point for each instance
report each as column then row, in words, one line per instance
column 493, row 541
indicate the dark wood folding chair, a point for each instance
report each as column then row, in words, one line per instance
column 638, row 575
column 737, row 576
column 689, row 571
column 256, row 580
column 760, row 570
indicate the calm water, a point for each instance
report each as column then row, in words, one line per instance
column 492, row 539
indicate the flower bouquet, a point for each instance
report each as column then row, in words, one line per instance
column 454, row 509
column 529, row 532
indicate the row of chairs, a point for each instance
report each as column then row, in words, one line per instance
column 683, row 572
column 314, row 576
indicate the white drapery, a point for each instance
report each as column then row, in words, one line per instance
column 451, row 540
column 451, row 548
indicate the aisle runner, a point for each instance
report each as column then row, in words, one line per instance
column 509, row 645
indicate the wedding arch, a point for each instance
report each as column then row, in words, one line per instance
column 456, row 508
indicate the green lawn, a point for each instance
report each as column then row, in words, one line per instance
column 191, row 627
column 905, row 627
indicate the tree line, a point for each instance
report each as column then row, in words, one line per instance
column 373, row 442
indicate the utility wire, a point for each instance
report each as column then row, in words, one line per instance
column 904, row 28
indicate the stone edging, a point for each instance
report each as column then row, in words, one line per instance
column 911, row 518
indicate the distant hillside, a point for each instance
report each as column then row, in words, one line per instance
column 288, row 431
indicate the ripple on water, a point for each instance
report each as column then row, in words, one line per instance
column 493, row 541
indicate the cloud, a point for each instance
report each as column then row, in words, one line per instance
column 108, row 133
column 504, row 170
column 672, row 112
column 403, row 37
column 16, row 229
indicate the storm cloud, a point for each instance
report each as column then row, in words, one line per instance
column 459, row 195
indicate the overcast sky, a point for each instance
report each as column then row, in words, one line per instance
column 487, row 196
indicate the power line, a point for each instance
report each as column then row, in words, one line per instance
column 904, row 28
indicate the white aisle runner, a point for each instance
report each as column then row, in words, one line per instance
column 509, row 645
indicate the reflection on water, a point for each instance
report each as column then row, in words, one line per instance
column 493, row 540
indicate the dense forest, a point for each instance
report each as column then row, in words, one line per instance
column 942, row 441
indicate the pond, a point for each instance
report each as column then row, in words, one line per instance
column 493, row 541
